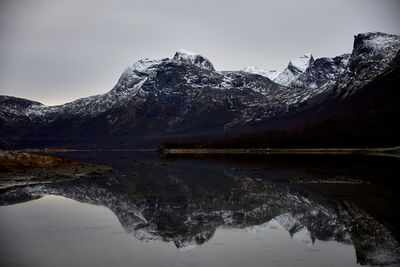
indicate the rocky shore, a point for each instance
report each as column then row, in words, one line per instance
column 21, row 169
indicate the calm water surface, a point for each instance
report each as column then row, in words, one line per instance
column 225, row 211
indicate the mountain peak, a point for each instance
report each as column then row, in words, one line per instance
column 302, row 63
column 185, row 52
column 373, row 53
column 137, row 72
column 190, row 57
column 375, row 41
column 144, row 65
column 322, row 72
column 295, row 68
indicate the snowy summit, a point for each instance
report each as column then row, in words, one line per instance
column 187, row 56
column 302, row 63
column 295, row 68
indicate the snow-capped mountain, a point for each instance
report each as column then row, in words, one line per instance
column 322, row 72
column 305, row 72
column 155, row 78
column 270, row 74
column 178, row 95
column 186, row 96
column 296, row 67
column 190, row 57
column 373, row 53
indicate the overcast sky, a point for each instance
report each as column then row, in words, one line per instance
column 57, row 51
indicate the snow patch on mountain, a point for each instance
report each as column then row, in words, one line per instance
column 323, row 72
column 296, row 67
column 190, row 57
column 144, row 65
column 372, row 54
column 270, row 74
column 302, row 63
column 377, row 42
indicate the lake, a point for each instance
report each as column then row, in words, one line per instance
column 199, row 210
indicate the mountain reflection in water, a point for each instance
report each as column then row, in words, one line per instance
column 185, row 201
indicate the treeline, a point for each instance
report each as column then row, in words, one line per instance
column 372, row 129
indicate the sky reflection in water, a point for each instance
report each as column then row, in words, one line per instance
column 58, row 231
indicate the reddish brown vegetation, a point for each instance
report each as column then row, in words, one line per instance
column 11, row 161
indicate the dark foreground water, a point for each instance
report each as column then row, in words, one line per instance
column 224, row 211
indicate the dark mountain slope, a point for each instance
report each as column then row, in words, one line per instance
column 368, row 118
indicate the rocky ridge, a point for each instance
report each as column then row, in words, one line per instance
column 321, row 73
column 372, row 54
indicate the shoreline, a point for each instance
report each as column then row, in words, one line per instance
column 389, row 152
column 394, row 151
column 66, row 150
column 24, row 169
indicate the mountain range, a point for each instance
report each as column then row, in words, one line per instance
column 186, row 99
